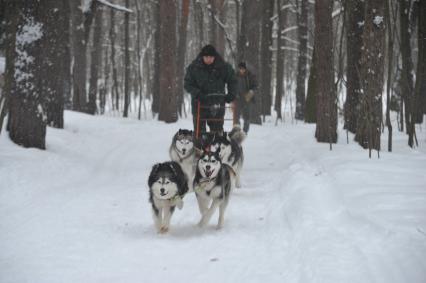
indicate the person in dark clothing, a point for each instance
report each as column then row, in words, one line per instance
column 246, row 87
column 206, row 79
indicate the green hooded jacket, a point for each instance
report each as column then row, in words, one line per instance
column 207, row 83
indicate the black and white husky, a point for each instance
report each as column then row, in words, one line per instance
column 167, row 187
column 213, row 183
column 230, row 150
column 182, row 151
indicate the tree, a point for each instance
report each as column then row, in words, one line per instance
column 325, row 91
column 82, row 17
column 167, row 61
column 407, row 84
column 126, row 64
column 355, row 27
column 266, row 56
column 96, row 55
column 249, row 47
column 372, row 68
column 183, row 26
column 27, row 112
column 311, row 103
column 9, row 25
column 420, row 88
column 302, row 20
column 218, row 19
column 279, row 91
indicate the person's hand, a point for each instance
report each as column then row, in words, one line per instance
column 249, row 95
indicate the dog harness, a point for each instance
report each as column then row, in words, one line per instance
column 202, row 183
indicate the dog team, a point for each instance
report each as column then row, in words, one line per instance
column 209, row 166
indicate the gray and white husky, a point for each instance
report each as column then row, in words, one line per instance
column 182, row 151
column 231, row 150
column 167, row 187
column 213, row 183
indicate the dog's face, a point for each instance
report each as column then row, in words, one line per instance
column 184, row 142
column 164, row 187
column 223, row 146
column 209, row 164
column 167, row 180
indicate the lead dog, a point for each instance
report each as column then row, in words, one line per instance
column 167, row 187
column 213, row 183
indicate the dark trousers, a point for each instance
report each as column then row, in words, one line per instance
column 243, row 109
column 206, row 113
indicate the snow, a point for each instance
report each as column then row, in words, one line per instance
column 28, row 34
column 378, row 20
column 79, row 211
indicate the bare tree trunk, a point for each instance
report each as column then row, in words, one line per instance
column 82, row 21
column 138, row 56
column 326, row 95
column 167, row 63
column 126, row 64
column 407, row 85
column 249, row 47
column 302, row 20
column 218, row 15
column 96, row 55
column 372, row 68
column 156, row 94
column 199, row 22
column 28, row 97
column 391, row 36
column 10, row 23
column 279, row 91
column 420, row 90
column 311, row 99
column 356, row 10
column 183, row 27
column 66, row 60
column 266, row 56
column 56, row 54
column 114, row 89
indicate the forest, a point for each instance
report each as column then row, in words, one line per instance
column 354, row 62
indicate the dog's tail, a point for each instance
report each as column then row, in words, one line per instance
column 237, row 135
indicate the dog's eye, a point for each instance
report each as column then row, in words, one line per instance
column 214, row 161
column 167, row 182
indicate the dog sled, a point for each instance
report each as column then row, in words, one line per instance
column 213, row 108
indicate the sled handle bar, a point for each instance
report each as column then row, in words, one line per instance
column 197, row 130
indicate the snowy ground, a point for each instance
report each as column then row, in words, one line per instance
column 78, row 212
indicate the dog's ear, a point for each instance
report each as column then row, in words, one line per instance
column 153, row 175
column 180, row 177
column 198, row 152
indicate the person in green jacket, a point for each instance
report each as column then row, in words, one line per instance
column 206, row 79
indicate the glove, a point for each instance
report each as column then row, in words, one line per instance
column 249, row 95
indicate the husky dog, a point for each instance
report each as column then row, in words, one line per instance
column 182, row 151
column 231, row 151
column 212, row 185
column 167, row 186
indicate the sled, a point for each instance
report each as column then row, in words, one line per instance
column 198, row 133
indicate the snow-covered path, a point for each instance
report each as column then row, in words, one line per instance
column 79, row 211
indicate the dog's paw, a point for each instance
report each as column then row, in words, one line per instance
column 201, row 224
column 163, row 230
